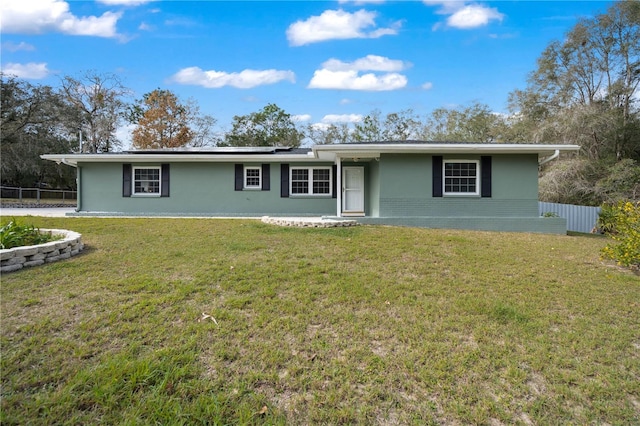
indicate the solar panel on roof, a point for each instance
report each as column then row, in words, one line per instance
column 214, row 150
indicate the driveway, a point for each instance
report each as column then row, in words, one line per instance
column 36, row 211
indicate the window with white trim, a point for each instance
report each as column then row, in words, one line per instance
column 310, row 180
column 461, row 177
column 252, row 177
column 146, row 181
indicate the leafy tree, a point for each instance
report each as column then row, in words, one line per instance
column 271, row 126
column 396, row 126
column 162, row 121
column 584, row 88
column 98, row 102
column 475, row 123
column 401, row 126
column 370, row 129
column 33, row 123
column 571, row 182
column 585, row 91
column 203, row 127
column 622, row 181
column 321, row 134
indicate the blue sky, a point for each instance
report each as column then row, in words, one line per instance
column 322, row 62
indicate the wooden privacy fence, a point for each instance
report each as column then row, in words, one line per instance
column 579, row 218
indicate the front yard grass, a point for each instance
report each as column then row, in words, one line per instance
column 369, row 325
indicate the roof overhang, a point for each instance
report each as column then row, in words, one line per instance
column 318, row 153
column 361, row 151
column 74, row 159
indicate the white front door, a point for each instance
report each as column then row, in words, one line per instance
column 353, row 191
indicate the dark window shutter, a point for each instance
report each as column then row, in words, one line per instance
column 239, row 177
column 164, row 176
column 266, row 177
column 126, row 180
column 485, row 176
column 436, row 163
column 284, row 180
column 334, row 186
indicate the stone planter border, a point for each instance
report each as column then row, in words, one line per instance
column 17, row 258
column 309, row 222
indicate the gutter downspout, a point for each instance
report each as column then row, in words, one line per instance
column 553, row 157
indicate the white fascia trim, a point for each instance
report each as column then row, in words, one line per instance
column 74, row 159
column 319, row 153
column 373, row 150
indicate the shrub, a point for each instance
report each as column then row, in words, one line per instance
column 16, row 235
column 607, row 218
column 621, row 221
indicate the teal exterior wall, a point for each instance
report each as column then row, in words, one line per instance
column 205, row 189
column 398, row 191
column 406, row 188
column 404, row 185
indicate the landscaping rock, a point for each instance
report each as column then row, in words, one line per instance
column 19, row 257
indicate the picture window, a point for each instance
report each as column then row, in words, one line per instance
column 311, row 181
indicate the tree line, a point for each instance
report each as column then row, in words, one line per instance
column 584, row 90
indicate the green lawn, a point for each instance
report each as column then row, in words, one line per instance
column 369, row 325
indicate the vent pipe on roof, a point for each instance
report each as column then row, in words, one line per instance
column 553, row 157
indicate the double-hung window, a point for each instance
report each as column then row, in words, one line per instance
column 461, row 177
column 146, row 181
column 310, row 180
column 252, row 177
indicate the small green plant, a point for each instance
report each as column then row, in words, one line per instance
column 607, row 218
column 14, row 234
column 550, row 214
column 621, row 221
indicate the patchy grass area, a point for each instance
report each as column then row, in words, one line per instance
column 368, row 325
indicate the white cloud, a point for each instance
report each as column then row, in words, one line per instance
column 15, row 47
column 368, row 63
column 473, row 16
column 243, row 80
column 41, row 16
column 300, row 118
column 30, row 71
column 337, row 24
column 350, row 80
column 427, row 86
column 463, row 15
column 336, row 74
column 180, row 22
column 342, row 118
column 447, row 7
column 345, row 101
column 145, row 27
column 320, row 126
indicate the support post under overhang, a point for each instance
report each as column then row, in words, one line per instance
column 338, row 186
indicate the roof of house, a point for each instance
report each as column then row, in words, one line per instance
column 358, row 150
column 223, row 150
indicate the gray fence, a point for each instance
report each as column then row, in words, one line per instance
column 10, row 195
column 579, row 218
